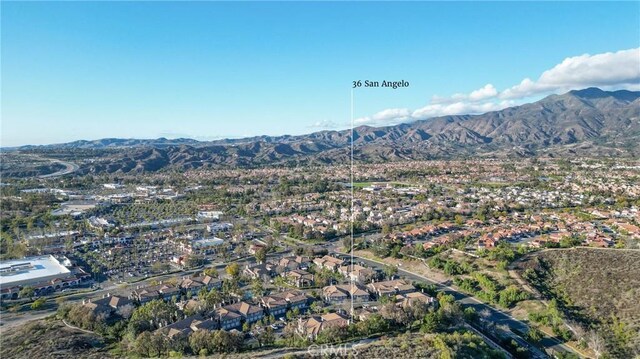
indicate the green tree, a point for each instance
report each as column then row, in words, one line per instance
column 534, row 335
column 257, row 288
column 390, row 270
column 27, row 292
column 38, row 303
column 233, row 270
column 200, row 340
column 261, row 255
column 266, row 337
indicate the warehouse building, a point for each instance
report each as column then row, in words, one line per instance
column 44, row 274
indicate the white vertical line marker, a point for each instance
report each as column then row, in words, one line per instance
column 352, row 205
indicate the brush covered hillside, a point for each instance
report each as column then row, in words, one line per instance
column 596, row 289
column 50, row 339
column 586, row 122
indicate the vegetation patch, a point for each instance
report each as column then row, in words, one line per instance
column 51, row 339
column 595, row 290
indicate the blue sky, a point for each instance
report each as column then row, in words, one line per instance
column 89, row 70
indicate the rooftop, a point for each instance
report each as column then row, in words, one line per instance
column 30, row 268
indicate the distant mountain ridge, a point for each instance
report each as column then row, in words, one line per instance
column 114, row 143
column 589, row 121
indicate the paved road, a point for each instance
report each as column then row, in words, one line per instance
column 496, row 316
column 10, row 320
column 69, row 168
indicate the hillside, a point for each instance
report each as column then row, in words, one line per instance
column 50, row 339
column 594, row 287
column 585, row 122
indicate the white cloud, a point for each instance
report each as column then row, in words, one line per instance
column 610, row 70
column 459, row 108
column 487, row 91
column 389, row 116
column 621, row 68
column 324, row 125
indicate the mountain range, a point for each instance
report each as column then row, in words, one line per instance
column 580, row 122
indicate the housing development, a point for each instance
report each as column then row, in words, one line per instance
column 319, row 179
column 259, row 261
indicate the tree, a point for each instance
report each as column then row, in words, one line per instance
column 157, row 267
column 211, row 272
column 261, row 254
column 534, row 335
column 142, row 344
column 212, row 298
column 200, row 340
column 390, row 270
column 510, row 296
column 315, row 307
column 256, row 288
column 470, row 314
column 374, row 324
column 431, row 322
column 266, row 337
column 38, row 303
column 158, row 345
column 27, row 292
column 233, row 270
column 194, row 261
column 152, row 315
column 394, row 313
column 225, row 342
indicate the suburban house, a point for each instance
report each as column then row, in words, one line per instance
column 299, row 278
column 292, row 263
column 328, row 262
column 160, row 291
column 391, row 287
column 209, row 282
column 190, row 285
column 228, row 319
column 250, row 313
column 277, row 304
column 263, row 272
column 184, row 327
column 311, row 327
column 341, row 293
column 359, row 274
column 408, row 299
column 108, row 304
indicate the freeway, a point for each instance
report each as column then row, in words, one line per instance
column 496, row 316
column 69, row 168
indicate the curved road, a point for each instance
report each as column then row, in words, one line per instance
column 69, row 168
column 496, row 316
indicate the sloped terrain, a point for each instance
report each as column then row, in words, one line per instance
column 598, row 287
column 50, row 339
column 587, row 122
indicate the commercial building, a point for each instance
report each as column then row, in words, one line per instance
column 43, row 273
